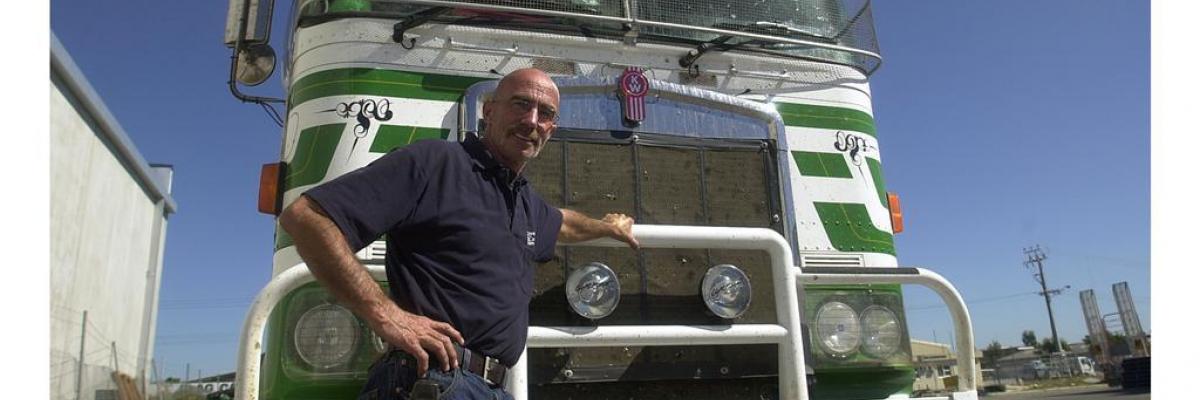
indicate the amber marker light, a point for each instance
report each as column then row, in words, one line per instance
column 897, row 215
column 268, row 188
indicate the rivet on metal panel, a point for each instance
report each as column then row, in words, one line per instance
column 568, row 373
column 724, row 370
column 775, row 218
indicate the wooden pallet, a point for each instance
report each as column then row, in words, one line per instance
column 127, row 389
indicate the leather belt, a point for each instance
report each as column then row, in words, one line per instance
column 490, row 369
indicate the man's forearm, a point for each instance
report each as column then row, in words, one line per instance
column 577, row 227
column 331, row 261
column 322, row 245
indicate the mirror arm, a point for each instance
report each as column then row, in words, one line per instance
column 239, row 45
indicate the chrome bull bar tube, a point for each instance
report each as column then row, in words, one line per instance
column 250, row 345
column 786, row 334
column 963, row 332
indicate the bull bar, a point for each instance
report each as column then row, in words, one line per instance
column 788, row 281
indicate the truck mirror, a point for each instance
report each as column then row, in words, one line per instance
column 253, row 17
column 255, row 63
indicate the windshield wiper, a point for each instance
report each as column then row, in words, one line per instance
column 775, row 29
column 413, row 21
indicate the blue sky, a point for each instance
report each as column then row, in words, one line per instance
column 1002, row 125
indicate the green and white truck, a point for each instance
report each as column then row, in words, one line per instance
column 739, row 134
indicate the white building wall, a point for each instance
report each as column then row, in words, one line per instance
column 106, row 231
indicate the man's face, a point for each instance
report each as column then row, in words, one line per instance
column 520, row 117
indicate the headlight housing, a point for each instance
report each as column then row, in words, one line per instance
column 593, row 290
column 726, row 291
column 881, row 332
column 837, row 328
column 313, row 337
column 326, row 336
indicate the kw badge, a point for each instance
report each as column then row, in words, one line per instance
column 633, row 89
column 530, row 238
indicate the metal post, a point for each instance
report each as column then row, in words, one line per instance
column 79, row 372
column 1035, row 256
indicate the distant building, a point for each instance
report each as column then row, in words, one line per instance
column 1027, row 364
column 937, row 367
column 108, row 224
column 212, row 387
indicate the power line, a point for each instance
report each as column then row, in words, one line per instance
column 974, row 301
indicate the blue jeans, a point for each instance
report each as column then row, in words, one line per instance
column 394, row 376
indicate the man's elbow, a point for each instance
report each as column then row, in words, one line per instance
column 295, row 214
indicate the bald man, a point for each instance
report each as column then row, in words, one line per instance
column 464, row 230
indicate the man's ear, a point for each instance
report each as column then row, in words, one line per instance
column 487, row 110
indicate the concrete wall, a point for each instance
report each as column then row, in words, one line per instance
column 107, row 228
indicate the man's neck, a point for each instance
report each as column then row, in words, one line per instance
column 515, row 167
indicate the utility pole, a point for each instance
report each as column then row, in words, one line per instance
column 79, row 372
column 1035, row 256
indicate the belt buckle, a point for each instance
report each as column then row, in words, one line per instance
column 487, row 368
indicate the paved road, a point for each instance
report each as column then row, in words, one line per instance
column 1083, row 393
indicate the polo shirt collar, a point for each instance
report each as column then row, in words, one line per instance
column 482, row 160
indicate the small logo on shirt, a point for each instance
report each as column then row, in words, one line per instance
column 530, row 238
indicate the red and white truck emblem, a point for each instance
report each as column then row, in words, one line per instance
column 634, row 86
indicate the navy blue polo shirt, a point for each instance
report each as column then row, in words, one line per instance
column 462, row 236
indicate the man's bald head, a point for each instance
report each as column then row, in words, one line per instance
column 524, row 76
column 520, row 117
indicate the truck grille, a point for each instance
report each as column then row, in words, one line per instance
column 658, row 180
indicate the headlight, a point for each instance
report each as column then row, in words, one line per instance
column 726, row 291
column 326, row 336
column 881, row 331
column 593, row 290
column 838, row 330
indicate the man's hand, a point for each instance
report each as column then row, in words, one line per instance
column 622, row 228
column 419, row 336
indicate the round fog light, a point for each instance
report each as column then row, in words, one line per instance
column 326, row 336
column 726, row 291
column 593, row 290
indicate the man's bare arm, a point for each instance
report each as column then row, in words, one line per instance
column 577, row 227
column 330, row 259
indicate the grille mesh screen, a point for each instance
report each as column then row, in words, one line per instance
column 668, row 185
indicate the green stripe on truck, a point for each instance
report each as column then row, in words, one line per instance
column 832, row 165
column 850, row 229
column 837, row 118
column 314, row 152
column 379, row 82
column 392, row 136
column 877, row 176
